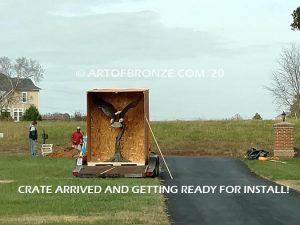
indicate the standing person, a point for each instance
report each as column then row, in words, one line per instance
column 33, row 135
column 76, row 139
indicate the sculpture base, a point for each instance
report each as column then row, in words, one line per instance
column 117, row 158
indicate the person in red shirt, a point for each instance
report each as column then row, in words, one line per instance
column 76, row 139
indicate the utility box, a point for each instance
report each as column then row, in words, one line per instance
column 135, row 141
column 284, row 139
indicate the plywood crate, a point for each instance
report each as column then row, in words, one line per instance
column 135, row 143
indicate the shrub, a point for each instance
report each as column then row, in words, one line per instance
column 32, row 113
column 257, row 117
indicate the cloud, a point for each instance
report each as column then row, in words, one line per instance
column 104, row 38
column 67, row 35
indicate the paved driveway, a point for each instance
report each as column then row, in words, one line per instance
column 223, row 209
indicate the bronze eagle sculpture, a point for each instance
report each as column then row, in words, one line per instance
column 116, row 121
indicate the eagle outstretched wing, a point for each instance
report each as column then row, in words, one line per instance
column 129, row 106
column 108, row 109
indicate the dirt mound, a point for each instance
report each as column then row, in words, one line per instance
column 68, row 152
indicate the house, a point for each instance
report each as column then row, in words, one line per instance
column 25, row 95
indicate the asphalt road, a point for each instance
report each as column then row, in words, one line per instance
column 231, row 209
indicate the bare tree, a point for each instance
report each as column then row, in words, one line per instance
column 16, row 72
column 286, row 79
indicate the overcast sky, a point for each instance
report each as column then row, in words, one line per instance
column 232, row 44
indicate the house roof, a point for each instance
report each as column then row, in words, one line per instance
column 25, row 84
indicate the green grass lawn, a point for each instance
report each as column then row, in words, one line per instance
column 276, row 171
column 225, row 137
column 16, row 133
column 284, row 174
column 17, row 208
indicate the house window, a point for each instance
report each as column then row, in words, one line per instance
column 17, row 113
column 6, row 110
column 24, row 97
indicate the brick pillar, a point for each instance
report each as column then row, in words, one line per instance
column 284, row 139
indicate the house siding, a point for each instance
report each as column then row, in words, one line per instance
column 32, row 99
column 15, row 104
column 19, row 107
